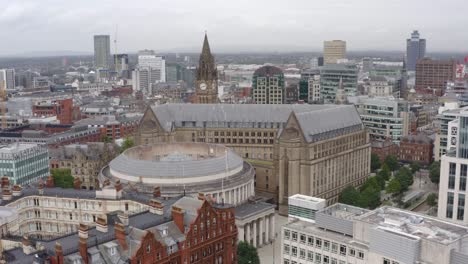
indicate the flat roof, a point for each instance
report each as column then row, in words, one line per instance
column 413, row 224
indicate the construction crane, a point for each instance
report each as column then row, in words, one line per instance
column 3, row 98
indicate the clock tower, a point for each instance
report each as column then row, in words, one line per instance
column 206, row 85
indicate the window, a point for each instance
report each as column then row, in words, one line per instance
column 463, row 172
column 294, row 251
column 310, row 255
column 310, row 241
column 352, row 252
column 326, row 259
column 343, row 250
column 449, row 212
column 386, row 261
column 318, row 243
column 112, row 251
column 318, row 258
column 302, row 253
column 286, row 249
column 334, row 248
column 286, row 261
column 452, row 170
column 148, row 248
column 461, row 207
column 294, row 236
column 360, row 255
column 326, row 245
column 303, row 238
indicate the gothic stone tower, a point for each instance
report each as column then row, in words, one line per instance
column 206, row 90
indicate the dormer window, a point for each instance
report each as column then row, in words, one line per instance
column 148, row 248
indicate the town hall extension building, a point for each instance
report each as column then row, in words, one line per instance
column 314, row 150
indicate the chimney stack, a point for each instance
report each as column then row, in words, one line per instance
column 83, row 247
column 119, row 230
column 50, row 182
column 123, row 218
column 5, row 182
column 201, row 196
column 157, row 192
column 156, row 207
column 59, row 253
column 178, row 217
column 101, row 224
column 77, row 183
column 17, row 190
column 6, row 195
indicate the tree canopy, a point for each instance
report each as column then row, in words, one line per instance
column 415, row 166
column 392, row 162
column 247, row 254
column 375, row 162
column 367, row 197
column 62, row 178
column 393, row 186
column 349, row 196
column 434, row 172
column 405, row 177
column 128, row 143
column 432, row 199
column 384, row 172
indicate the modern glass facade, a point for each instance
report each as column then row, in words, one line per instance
column 24, row 163
column 330, row 76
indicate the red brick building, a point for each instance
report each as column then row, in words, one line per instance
column 384, row 148
column 197, row 231
column 62, row 108
column 417, row 148
column 111, row 126
column 432, row 75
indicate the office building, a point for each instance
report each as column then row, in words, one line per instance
column 330, row 78
column 151, row 69
column 343, row 234
column 206, row 84
column 453, row 172
column 268, row 85
column 416, row 148
column 433, row 75
column 384, row 117
column 378, row 86
column 333, row 51
column 442, row 120
column 288, row 145
column 24, row 163
column 7, row 79
column 121, row 63
column 415, row 50
column 62, row 108
column 102, row 55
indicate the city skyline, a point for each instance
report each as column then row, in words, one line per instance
column 234, row 26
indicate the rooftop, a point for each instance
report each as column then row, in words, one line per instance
column 416, row 225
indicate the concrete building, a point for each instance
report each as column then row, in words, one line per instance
column 102, row 54
column 268, row 86
column 121, row 64
column 378, row 86
column 309, row 86
column 332, row 75
column 151, row 69
column 284, row 143
column 333, row 51
column 432, row 76
column 342, row 234
column 446, row 114
column 24, row 163
column 384, row 117
column 415, row 50
column 453, row 172
column 256, row 223
column 7, row 79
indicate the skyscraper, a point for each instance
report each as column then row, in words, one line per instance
column 330, row 76
column 433, row 75
column 333, row 51
column 268, row 85
column 206, row 90
column 7, row 78
column 151, row 69
column 415, row 50
column 102, row 51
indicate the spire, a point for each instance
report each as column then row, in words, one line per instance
column 206, row 47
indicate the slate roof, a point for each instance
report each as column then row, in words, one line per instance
column 315, row 119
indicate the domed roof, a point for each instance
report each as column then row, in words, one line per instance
column 268, row 71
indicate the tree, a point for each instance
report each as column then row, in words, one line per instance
column 369, row 198
column 393, row 187
column 384, row 172
column 375, row 162
column 434, row 172
column 62, row 178
column 392, row 162
column 371, row 182
column 415, row 166
column 247, row 254
column 128, row 143
column 405, row 177
column 431, row 199
column 381, row 182
column 349, row 196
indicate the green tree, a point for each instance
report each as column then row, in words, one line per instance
column 392, row 162
column 369, row 198
column 393, row 187
column 371, row 182
column 62, row 178
column 106, row 139
column 385, row 172
column 349, row 196
column 375, row 162
column 247, row 254
column 432, row 199
column 415, row 166
column 434, row 172
column 405, row 177
column 381, row 182
column 128, row 143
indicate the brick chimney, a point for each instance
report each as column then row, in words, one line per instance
column 58, row 253
column 178, row 217
column 50, row 182
column 83, row 247
column 201, row 196
column 119, row 230
column 118, row 186
column 5, row 182
column 77, row 183
column 157, row 192
column 101, row 224
column 156, row 207
column 6, row 195
column 17, row 190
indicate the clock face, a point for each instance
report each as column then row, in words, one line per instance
column 203, row 86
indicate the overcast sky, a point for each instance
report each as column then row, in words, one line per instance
column 234, row 25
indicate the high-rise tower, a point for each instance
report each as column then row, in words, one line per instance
column 415, row 50
column 102, row 58
column 206, row 86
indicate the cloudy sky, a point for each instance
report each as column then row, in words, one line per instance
column 234, row 25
